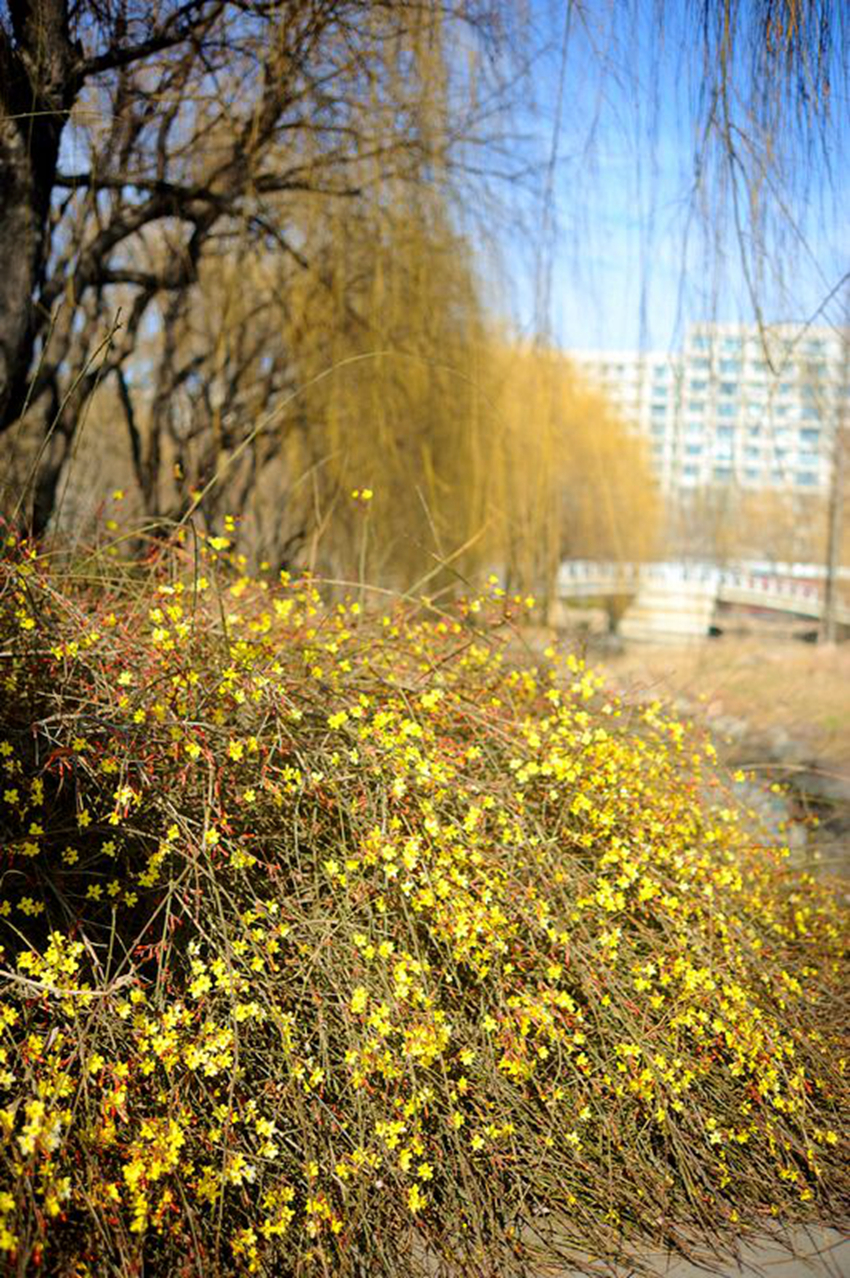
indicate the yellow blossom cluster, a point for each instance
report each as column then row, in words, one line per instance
column 324, row 924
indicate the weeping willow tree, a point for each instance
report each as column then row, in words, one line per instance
column 390, row 353
column 337, row 344
column 475, row 450
column 378, row 371
column 332, row 342
column 574, row 481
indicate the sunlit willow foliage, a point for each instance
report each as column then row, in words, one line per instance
column 479, row 450
column 337, row 942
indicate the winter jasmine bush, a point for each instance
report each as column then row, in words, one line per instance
column 336, row 942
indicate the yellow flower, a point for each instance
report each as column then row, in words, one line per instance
column 359, row 998
column 416, row 1200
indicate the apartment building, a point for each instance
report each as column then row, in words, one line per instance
column 738, row 405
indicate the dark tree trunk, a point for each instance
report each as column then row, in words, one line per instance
column 37, row 89
column 46, row 485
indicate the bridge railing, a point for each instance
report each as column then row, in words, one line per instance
column 756, row 583
column 581, row 571
column 579, row 578
column 610, row 574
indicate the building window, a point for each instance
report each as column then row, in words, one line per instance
column 810, row 436
column 698, row 384
column 693, row 450
column 658, row 428
column 696, row 406
column 689, row 472
column 726, row 410
column 806, row 478
column 728, row 388
column 751, row 454
column 722, row 474
column 751, row 475
column 730, row 366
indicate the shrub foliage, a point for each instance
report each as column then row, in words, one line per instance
column 338, row 941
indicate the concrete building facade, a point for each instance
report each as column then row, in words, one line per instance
column 759, row 409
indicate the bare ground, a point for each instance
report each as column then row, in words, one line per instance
column 797, row 689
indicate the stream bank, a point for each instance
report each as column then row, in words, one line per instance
column 778, row 710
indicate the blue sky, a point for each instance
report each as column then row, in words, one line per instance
column 631, row 257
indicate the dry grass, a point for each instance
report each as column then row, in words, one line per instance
column 801, row 688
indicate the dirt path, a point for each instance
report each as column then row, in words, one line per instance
column 816, row 1252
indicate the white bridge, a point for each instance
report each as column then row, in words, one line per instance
column 680, row 600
